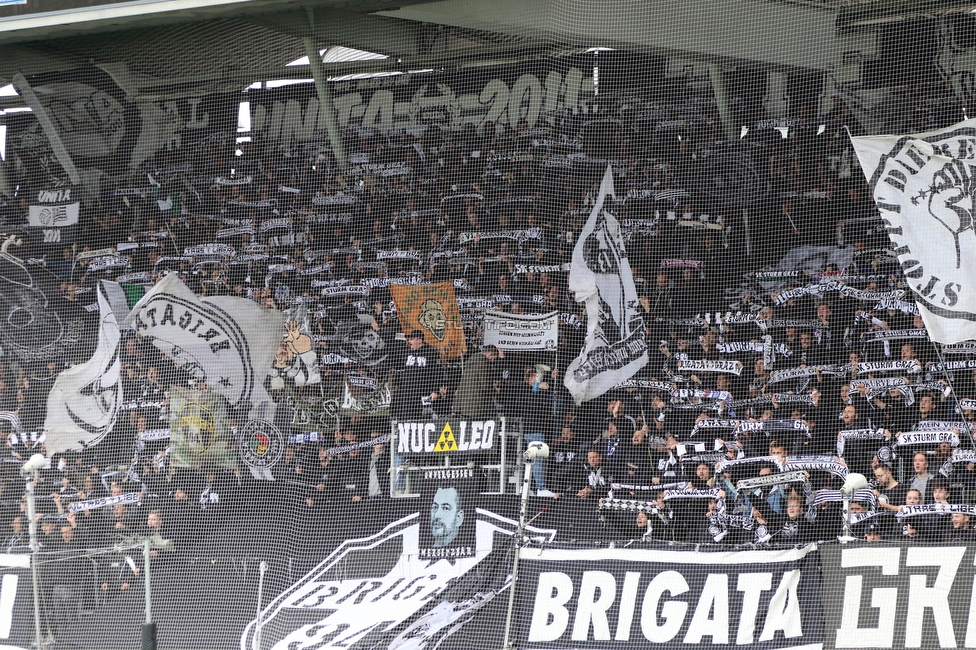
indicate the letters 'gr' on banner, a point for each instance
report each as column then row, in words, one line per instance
column 521, row 332
column 916, row 596
column 641, row 598
column 446, row 437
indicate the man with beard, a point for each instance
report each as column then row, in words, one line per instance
column 446, row 515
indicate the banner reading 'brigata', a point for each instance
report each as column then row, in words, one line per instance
column 641, row 598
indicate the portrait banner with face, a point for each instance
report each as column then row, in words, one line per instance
column 432, row 309
column 447, row 509
column 199, row 435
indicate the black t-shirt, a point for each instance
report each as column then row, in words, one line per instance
column 896, row 495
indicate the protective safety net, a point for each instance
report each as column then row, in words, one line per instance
column 666, row 308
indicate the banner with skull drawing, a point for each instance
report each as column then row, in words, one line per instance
column 923, row 185
column 432, row 309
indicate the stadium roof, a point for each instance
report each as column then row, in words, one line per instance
column 165, row 47
column 224, row 43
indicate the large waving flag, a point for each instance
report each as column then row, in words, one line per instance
column 600, row 276
column 83, row 404
column 227, row 342
column 924, row 185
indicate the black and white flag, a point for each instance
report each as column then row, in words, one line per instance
column 229, row 343
column 83, row 404
column 600, row 276
column 923, row 185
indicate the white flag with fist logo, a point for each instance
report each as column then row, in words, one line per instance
column 923, row 185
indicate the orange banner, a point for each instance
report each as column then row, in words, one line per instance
column 432, row 309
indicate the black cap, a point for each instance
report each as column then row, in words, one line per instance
column 415, row 334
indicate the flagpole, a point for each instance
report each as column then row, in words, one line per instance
column 948, row 376
column 535, row 450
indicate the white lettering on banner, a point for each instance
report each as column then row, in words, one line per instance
column 528, row 99
column 921, row 597
column 784, row 609
column 673, row 612
column 711, row 618
column 54, row 196
column 8, row 594
column 628, row 602
column 553, row 592
column 884, row 599
column 592, row 610
column 454, row 436
column 751, row 585
column 714, row 598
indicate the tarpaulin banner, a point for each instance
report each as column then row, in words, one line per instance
column 16, row 616
column 521, row 331
column 447, row 437
column 640, row 598
column 501, row 94
column 404, row 596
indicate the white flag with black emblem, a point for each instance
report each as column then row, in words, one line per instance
column 924, row 186
column 83, row 404
column 600, row 276
column 229, row 343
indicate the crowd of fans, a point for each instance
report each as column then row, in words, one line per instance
column 830, row 380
